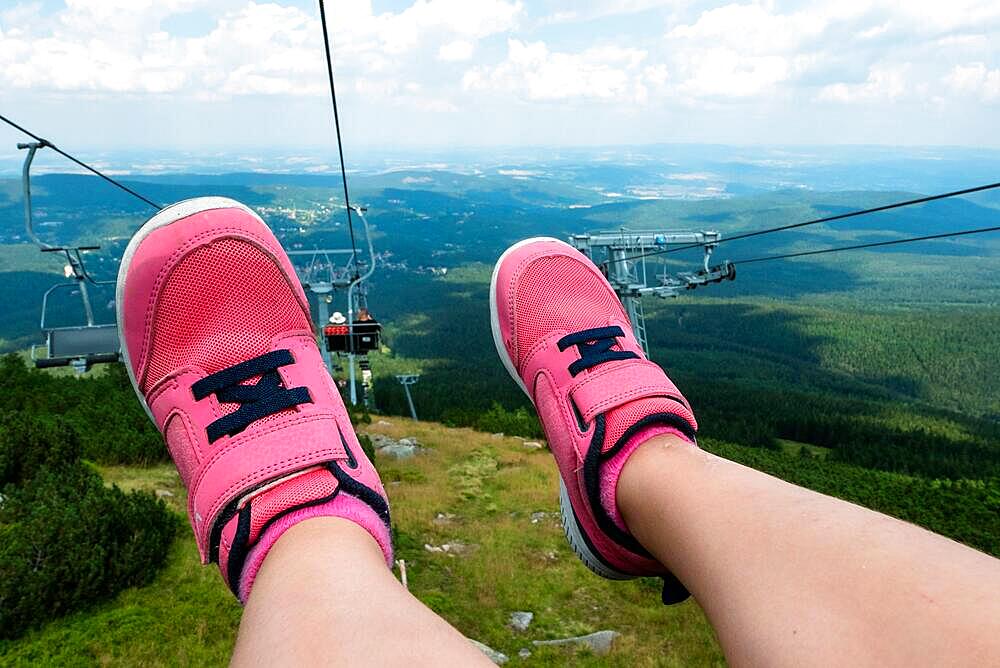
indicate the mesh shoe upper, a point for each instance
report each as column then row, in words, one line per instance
column 209, row 314
column 565, row 337
column 217, row 338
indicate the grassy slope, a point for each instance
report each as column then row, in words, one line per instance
column 491, row 486
column 487, row 488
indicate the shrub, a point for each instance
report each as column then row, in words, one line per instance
column 67, row 540
column 109, row 420
column 517, row 422
column 367, row 446
column 101, row 409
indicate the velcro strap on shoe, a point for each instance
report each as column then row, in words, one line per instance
column 619, row 384
column 249, row 460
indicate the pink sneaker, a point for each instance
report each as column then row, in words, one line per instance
column 217, row 339
column 565, row 339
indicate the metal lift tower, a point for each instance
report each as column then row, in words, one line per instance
column 622, row 256
column 406, row 380
column 323, row 277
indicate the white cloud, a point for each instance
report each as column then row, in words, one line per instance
column 458, row 50
column 536, row 73
column 750, row 29
column 582, row 10
column 975, row 79
column 883, row 83
column 668, row 66
column 726, row 73
column 845, row 51
column 118, row 46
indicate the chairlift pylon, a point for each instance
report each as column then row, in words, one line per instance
column 350, row 337
column 625, row 266
column 77, row 346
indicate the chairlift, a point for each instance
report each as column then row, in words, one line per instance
column 358, row 334
column 77, row 346
column 360, row 338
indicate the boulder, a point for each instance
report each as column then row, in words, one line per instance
column 499, row 658
column 599, row 643
column 456, row 548
column 443, row 519
column 404, row 448
column 521, row 620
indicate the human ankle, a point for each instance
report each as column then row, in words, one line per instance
column 279, row 507
column 322, row 549
column 613, row 469
column 643, row 468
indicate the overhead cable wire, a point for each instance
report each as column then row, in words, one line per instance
column 336, row 123
column 90, row 169
column 876, row 244
column 826, row 219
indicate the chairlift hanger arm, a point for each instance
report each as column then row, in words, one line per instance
column 29, row 223
column 63, row 249
column 44, row 143
column 672, row 286
column 633, row 240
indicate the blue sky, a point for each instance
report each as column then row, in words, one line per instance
column 233, row 74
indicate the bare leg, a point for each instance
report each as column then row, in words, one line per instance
column 323, row 597
column 791, row 577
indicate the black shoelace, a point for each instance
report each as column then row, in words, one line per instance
column 595, row 348
column 267, row 397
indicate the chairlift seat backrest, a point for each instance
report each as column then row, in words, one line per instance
column 72, row 342
column 367, row 336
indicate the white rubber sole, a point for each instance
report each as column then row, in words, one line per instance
column 571, row 526
column 166, row 216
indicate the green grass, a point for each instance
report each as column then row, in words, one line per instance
column 486, row 488
column 188, row 617
column 185, row 617
column 795, row 448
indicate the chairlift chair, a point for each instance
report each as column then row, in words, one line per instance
column 78, row 346
column 366, row 337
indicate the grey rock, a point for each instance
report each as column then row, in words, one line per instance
column 404, row 448
column 599, row 643
column 539, row 517
column 456, row 548
column 524, row 653
column 398, row 450
column 496, row 657
column 521, row 620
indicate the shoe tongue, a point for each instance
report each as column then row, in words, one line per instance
column 618, row 420
column 291, row 493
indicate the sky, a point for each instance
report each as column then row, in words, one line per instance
column 213, row 74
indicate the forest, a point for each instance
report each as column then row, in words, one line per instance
column 911, row 391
